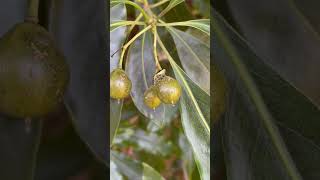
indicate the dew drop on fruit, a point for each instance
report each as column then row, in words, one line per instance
column 173, row 105
column 27, row 125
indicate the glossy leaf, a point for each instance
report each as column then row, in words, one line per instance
column 177, row 14
column 61, row 152
column 171, row 5
column 194, row 56
column 114, row 172
column 141, row 68
column 203, row 6
column 199, row 35
column 133, row 169
column 117, row 38
column 195, row 116
column 200, row 24
column 187, row 155
column 117, row 24
column 19, row 147
column 245, row 136
column 147, row 141
column 285, row 35
column 80, row 32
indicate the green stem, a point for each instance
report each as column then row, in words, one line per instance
column 125, row 23
column 257, row 99
column 32, row 12
column 136, row 20
column 129, row 31
column 134, row 5
column 158, row 3
column 124, row 48
column 154, row 30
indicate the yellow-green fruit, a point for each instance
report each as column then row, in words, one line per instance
column 120, row 84
column 33, row 72
column 150, row 98
column 168, row 90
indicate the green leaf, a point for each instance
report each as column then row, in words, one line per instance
column 295, row 116
column 200, row 24
column 171, row 5
column 80, row 32
column 141, row 68
column 19, row 148
column 187, row 155
column 61, row 150
column 199, row 35
column 133, row 169
column 116, row 24
column 286, row 36
column 147, row 141
column 203, row 6
column 117, row 38
column 195, row 115
column 194, row 56
column 114, row 172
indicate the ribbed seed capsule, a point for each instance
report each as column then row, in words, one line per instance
column 120, row 84
column 151, row 99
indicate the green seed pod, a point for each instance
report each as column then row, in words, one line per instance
column 33, row 72
column 150, row 98
column 168, row 89
column 120, row 84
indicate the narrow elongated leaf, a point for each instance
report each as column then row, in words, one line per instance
column 308, row 11
column 117, row 24
column 199, row 35
column 117, row 37
column 177, row 14
column 133, row 169
column 114, row 172
column 245, row 137
column 187, row 155
column 195, row 115
column 171, row 5
column 141, row 68
column 285, row 37
column 80, row 32
column 203, row 6
column 61, row 152
column 194, row 56
column 19, row 148
column 200, row 24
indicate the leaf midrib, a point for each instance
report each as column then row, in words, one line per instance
column 190, row 49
